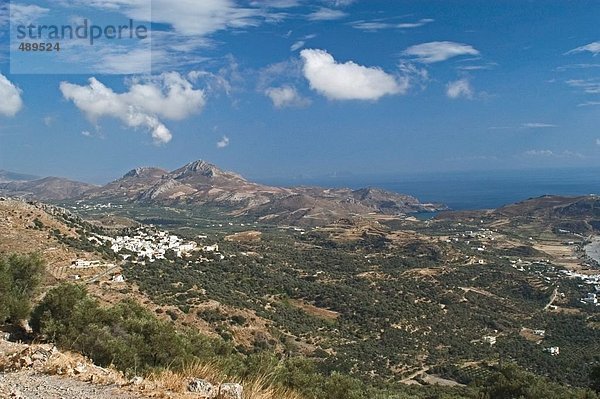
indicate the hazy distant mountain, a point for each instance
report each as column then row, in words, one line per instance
column 7, row 177
column 47, row 189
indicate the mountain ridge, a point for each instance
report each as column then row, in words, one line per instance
column 201, row 183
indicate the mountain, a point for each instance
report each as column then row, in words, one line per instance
column 580, row 215
column 46, row 189
column 560, row 214
column 203, row 184
column 7, row 177
column 200, row 183
column 130, row 186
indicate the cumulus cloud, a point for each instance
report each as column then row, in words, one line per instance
column 286, row 96
column 224, row 142
column 348, row 81
column 168, row 96
column 326, row 14
column 432, row 52
column 593, row 48
column 11, row 97
column 459, row 88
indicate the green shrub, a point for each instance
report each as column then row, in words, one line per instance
column 20, row 277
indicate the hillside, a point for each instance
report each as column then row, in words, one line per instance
column 46, row 189
column 7, row 177
column 387, row 303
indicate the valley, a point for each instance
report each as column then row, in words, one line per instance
column 391, row 300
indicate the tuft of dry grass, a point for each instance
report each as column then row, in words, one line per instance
column 262, row 387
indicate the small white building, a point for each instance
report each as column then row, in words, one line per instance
column 489, row 339
column 553, row 350
column 84, row 264
column 211, row 248
column 591, row 299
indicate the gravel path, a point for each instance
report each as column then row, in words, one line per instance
column 31, row 385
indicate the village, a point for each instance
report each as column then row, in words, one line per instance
column 147, row 244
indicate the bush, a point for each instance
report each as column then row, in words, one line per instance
column 20, row 277
column 125, row 335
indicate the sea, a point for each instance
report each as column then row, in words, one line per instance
column 469, row 190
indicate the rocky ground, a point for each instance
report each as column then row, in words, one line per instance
column 33, row 385
column 42, row 372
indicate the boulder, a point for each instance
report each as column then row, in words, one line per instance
column 136, row 380
column 79, row 369
column 203, row 388
column 231, row 391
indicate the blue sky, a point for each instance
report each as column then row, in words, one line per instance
column 283, row 88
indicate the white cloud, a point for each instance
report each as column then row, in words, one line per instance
column 49, row 120
column 26, row 14
column 589, row 104
column 280, row 74
column 168, row 96
column 597, row 141
column 297, row 45
column 412, row 25
column 537, row 125
column 566, row 154
column 224, row 142
column 489, row 65
column 326, row 14
column 340, row 3
column 380, row 24
column 276, row 3
column 4, row 14
column 459, row 88
column 539, row 153
column 589, row 86
column 10, row 94
column 439, row 51
column 301, row 42
column 348, row 81
column 286, row 96
column 187, row 17
column 593, row 48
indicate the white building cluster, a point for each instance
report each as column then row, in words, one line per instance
column 152, row 244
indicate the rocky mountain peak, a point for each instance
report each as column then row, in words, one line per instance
column 145, row 172
column 204, row 169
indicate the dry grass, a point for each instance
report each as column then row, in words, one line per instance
column 258, row 388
